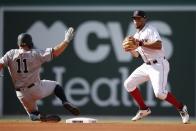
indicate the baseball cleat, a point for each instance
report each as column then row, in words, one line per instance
column 45, row 118
column 50, row 118
column 71, row 108
column 140, row 114
column 35, row 117
column 184, row 114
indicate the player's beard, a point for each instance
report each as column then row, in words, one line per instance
column 139, row 26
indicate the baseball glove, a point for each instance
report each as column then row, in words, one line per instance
column 129, row 43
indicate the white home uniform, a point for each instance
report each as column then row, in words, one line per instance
column 24, row 67
column 155, row 67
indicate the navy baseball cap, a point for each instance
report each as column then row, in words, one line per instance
column 139, row 13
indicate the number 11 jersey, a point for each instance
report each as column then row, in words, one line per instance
column 24, row 66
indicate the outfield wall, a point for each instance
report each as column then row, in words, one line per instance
column 95, row 2
column 93, row 68
column 1, row 53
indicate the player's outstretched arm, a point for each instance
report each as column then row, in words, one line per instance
column 57, row 50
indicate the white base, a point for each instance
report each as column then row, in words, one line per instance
column 81, row 120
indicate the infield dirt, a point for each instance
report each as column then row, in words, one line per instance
column 61, row 126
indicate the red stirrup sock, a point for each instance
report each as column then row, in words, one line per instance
column 136, row 94
column 172, row 100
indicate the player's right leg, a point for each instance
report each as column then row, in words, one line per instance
column 141, row 114
column 37, row 116
column 184, row 114
column 136, row 78
column 29, row 104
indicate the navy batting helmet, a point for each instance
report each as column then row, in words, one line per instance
column 25, row 39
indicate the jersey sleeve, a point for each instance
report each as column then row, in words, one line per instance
column 154, row 35
column 46, row 55
column 5, row 59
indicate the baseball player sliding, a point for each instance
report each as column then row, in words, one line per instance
column 147, row 43
column 24, row 66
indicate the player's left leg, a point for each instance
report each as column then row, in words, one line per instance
column 159, row 82
column 59, row 92
column 48, row 87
